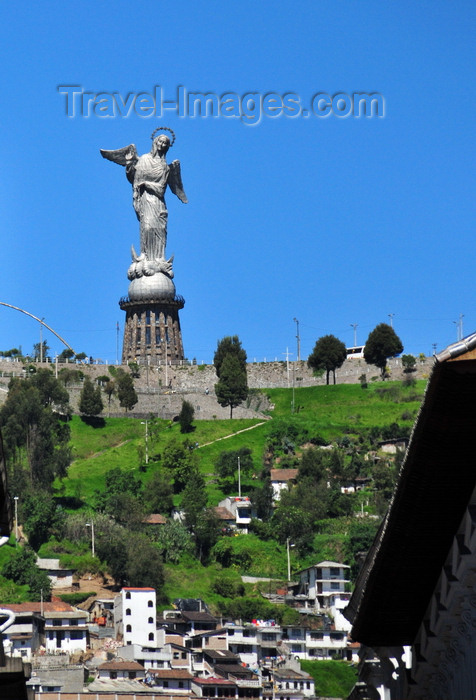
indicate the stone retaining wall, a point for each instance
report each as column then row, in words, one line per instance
column 161, row 390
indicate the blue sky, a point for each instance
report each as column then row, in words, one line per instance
column 332, row 221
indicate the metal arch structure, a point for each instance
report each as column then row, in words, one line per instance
column 17, row 308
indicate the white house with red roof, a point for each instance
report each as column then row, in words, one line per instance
column 135, row 618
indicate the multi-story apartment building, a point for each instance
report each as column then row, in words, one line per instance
column 135, row 618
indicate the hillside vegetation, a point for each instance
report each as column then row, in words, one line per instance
column 109, row 482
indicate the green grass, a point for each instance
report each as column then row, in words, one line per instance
column 328, row 411
column 97, row 450
column 332, row 410
column 190, row 579
column 333, row 679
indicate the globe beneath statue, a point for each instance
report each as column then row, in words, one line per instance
column 158, row 286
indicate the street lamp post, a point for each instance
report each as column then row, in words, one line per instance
column 91, row 525
column 146, row 441
column 298, row 338
column 15, row 498
column 289, row 557
column 239, row 477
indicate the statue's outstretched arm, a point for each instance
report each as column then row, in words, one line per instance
column 174, row 181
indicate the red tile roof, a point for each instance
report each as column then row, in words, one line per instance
column 155, row 519
column 38, row 607
column 223, row 513
column 284, row 474
column 120, row 666
column 168, row 673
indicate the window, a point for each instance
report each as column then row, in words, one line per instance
column 129, row 628
column 184, row 654
column 57, row 623
column 132, row 675
column 76, row 634
column 128, row 611
column 151, row 620
column 74, row 623
column 180, row 684
column 165, row 684
column 176, row 655
column 128, row 595
column 334, row 571
column 113, row 674
column 231, row 633
column 151, row 637
column 150, row 604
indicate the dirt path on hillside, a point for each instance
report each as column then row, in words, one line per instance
column 252, row 427
column 97, row 454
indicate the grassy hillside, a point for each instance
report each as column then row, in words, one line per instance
column 336, row 410
column 328, row 411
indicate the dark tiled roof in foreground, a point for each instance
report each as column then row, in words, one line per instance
column 434, row 487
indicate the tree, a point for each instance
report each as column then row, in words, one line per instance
column 230, row 366
column 232, row 388
column 329, row 354
column 121, row 497
column 66, row 354
column 173, row 540
column 158, row 497
column 40, row 351
column 109, row 389
column 408, row 363
column 226, row 465
column 194, row 499
column 35, row 437
column 181, row 460
column 186, row 417
column 41, row 517
column 90, row 401
column 381, row 344
column 230, row 345
column 125, row 391
column 22, row 569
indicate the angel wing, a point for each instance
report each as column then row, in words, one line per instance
column 175, row 181
column 122, row 156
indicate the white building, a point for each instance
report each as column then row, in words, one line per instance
column 135, row 617
column 322, row 587
column 241, row 509
column 282, row 479
column 287, row 679
column 66, row 631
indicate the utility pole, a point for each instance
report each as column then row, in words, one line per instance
column 117, row 342
column 459, row 327
column 91, row 525
column 287, row 353
column 41, row 340
column 391, row 319
column 15, row 498
column 146, row 440
column 289, row 558
column 354, row 326
column 239, row 477
column 298, row 340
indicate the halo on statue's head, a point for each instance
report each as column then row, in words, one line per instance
column 164, row 128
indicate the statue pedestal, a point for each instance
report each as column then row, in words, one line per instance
column 152, row 334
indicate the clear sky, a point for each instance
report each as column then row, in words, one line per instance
column 330, row 220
